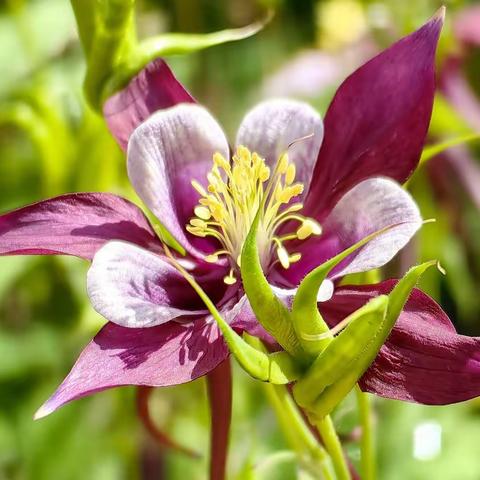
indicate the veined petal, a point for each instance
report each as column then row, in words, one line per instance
column 368, row 207
column 424, row 360
column 378, row 119
column 154, row 88
column 168, row 151
column 135, row 288
column 74, row 224
column 168, row 354
column 271, row 126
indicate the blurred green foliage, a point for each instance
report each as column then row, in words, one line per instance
column 52, row 143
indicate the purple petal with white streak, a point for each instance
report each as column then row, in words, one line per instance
column 74, row 224
column 169, row 354
column 368, row 207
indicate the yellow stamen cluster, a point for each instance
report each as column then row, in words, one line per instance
column 227, row 208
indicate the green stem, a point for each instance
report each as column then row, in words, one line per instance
column 295, row 429
column 168, row 44
column 334, row 447
column 114, row 40
column 367, row 443
column 84, row 11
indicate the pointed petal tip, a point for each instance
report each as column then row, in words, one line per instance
column 43, row 412
column 440, row 14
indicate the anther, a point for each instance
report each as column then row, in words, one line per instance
column 308, row 227
column 228, row 204
column 230, row 278
column 196, row 231
column 264, row 174
column 282, row 255
column 290, row 174
column 295, row 257
column 290, row 192
column 202, row 212
column 220, row 161
column 197, row 222
column 283, row 163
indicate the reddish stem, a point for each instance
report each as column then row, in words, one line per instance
column 219, row 387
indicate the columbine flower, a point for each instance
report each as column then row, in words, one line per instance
column 177, row 163
column 319, row 201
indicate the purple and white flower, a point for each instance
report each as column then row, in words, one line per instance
column 326, row 186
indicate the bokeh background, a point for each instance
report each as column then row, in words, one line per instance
column 52, row 143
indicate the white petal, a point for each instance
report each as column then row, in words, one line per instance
column 368, row 207
column 135, row 288
column 168, row 151
column 271, row 126
column 325, row 292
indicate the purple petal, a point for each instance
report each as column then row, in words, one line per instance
column 424, row 360
column 378, row 119
column 272, row 126
column 135, row 288
column 219, row 388
column 74, row 224
column 167, row 152
column 368, row 207
column 154, row 88
column 169, row 354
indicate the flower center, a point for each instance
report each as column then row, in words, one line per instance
column 234, row 194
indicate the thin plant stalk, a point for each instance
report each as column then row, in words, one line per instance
column 367, row 442
column 334, row 448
